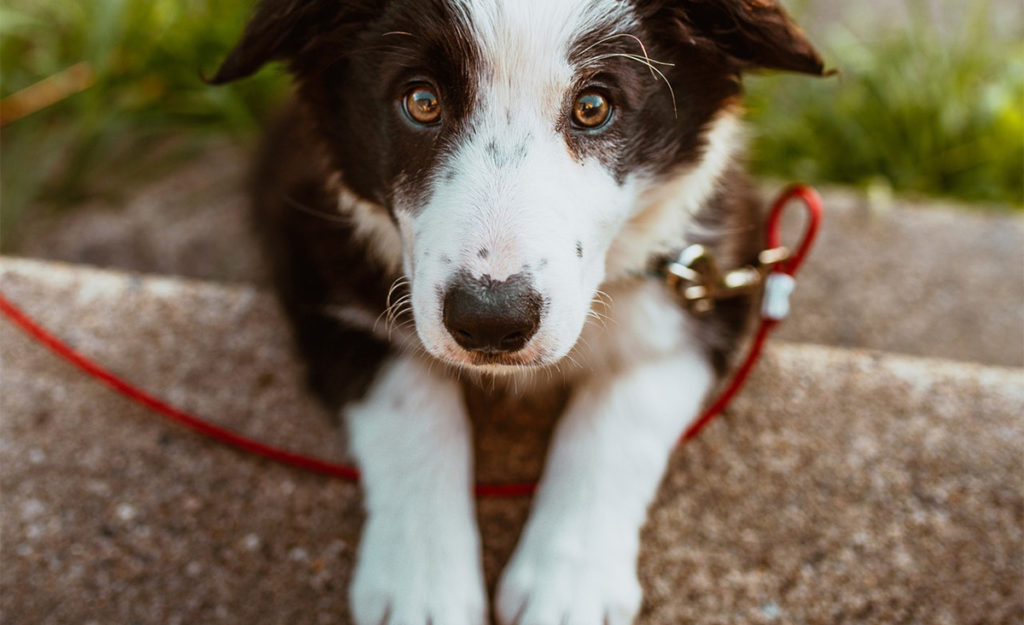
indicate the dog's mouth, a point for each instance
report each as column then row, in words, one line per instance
column 493, row 361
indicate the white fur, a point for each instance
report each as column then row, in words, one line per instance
column 639, row 376
column 419, row 557
column 576, row 560
column 373, row 226
column 641, row 321
column 528, row 213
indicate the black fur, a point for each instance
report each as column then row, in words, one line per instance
column 316, row 261
column 353, row 59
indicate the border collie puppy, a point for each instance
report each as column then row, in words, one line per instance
column 477, row 190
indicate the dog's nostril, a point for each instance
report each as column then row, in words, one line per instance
column 512, row 338
column 491, row 317
column 514, row 342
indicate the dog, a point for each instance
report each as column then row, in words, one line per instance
column 474, row 192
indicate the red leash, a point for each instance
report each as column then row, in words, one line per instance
column 777, row 290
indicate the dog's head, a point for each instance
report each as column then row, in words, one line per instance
column 521, row 147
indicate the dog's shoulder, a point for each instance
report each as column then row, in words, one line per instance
column 329, row 281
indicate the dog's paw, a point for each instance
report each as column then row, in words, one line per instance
column 542, row 587
column 415, row 578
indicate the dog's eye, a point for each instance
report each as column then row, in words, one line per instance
column 591, row 109
column 422, row 105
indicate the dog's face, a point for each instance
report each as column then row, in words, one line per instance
column 513, row 142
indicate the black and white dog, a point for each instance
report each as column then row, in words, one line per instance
column 458, row 185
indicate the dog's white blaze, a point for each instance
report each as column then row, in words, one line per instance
column 519, row 194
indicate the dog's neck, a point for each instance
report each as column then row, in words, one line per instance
column 664, row 218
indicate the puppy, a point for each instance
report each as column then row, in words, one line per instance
column 481, row 188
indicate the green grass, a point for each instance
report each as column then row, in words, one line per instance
column 147, row 110
column 919, row 111
column 915, row 110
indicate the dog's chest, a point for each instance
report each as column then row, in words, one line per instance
column 636, row 321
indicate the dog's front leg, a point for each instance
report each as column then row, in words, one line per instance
column 576, row 561
column 419, row 559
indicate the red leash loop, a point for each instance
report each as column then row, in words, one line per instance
column 810, row 199
column 812, row 203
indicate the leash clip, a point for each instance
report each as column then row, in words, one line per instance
column 695, row 277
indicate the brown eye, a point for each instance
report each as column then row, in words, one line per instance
column 591, row 109
column 422, row 105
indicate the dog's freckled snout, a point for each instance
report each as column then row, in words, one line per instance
column 484, row 315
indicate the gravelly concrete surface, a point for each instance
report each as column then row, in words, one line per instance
column 915, row 278
column 918, row 279
column 842, row 487
column 192, row 222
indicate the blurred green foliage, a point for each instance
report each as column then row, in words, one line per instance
column 149, row 107
column 922, row 111
column 917, row 109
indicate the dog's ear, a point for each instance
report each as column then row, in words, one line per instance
column 278, row 30
column 753, row 34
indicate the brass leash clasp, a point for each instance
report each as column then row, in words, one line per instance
column 695, row 277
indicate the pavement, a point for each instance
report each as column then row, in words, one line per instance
column 843, row 486
column 913, row 277
column 876, row 476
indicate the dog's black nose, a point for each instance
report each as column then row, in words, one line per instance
column 492, row 317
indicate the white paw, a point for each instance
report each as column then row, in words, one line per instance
column 417, row 574
column 542, row 587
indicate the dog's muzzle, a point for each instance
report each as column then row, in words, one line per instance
column 490, row 317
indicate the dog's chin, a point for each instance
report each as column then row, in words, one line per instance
column 494, row 364
column 500, row 364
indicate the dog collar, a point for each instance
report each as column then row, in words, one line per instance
column 695, row 277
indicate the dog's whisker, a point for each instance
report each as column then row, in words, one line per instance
column 643, row 48
column 406, row 325
column 404, row 301
column 551, row 372
column 402, row 319
column 650, row 65
column 642, row 59
column 605, row 297
column 639, row 41
column 399, row 307
column 598, row 318
column 376, row 322
column 392, row 309
column 574, row 362
column 398, row 283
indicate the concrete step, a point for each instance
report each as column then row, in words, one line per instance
column 921, row 278
column 915, row 278
column 842, row 486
